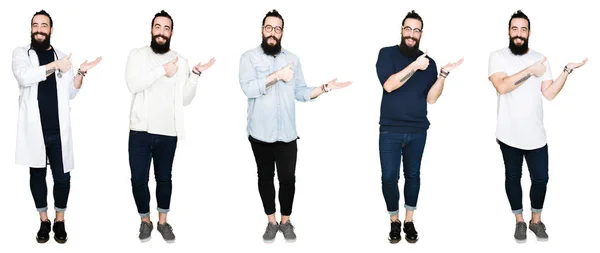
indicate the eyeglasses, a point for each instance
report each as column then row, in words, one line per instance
column 269, row 28
column 408, row 29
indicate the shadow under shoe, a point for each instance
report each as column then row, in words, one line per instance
column 43, row 235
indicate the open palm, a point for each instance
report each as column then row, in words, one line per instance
column 334, row 84
column 577, row 65
column 450, row 66
column 202, row 67
column 88, row 65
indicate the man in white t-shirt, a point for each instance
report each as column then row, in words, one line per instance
column 162, row 84
column 521, row 77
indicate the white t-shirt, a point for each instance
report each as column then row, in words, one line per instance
column 520, row 115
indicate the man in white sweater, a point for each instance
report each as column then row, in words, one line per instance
column 162, row 85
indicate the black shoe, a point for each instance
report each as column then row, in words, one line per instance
column 411, row 233
column 60, row 235
column 395, row 230
column 43, row 235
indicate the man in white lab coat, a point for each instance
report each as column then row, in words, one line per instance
column 47, row 82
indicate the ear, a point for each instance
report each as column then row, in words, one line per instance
column 51, row 30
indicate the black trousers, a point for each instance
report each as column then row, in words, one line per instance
column 280, row 155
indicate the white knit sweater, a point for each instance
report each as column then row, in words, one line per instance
column 146, row 79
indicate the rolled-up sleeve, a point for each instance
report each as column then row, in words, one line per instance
column 252, row 85
column 301, row 91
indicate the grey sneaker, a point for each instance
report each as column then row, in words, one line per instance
column 166, row 231
column 539, row 229
column 145, row 231
column 521, row 232
column 288, row 231
column 270, row 232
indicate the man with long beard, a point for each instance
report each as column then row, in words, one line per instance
column 521, row 76
column 410, row 80
column 271, row 77
column 47, row 83
column 162, row 85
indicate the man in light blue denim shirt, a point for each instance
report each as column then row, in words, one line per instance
column 272, row 79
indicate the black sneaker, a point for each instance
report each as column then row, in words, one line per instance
column 60, row 234
column 395, row 230
column 43, row 235
column 411, row 233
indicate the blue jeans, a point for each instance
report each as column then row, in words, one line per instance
column 143, row 148
column 408, row 148
column 537, row 163
column 62, row 180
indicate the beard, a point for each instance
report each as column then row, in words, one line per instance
column 40, row 45
column 516, row 49
column 409, row 51
column 268, row 49
column 158, row 48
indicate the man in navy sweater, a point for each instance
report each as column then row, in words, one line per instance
column 410, row 81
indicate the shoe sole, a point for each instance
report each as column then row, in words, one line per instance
column 60, row 241
column 394, row 241
column 290, row 240
column 520, row 241
column 412, row 241
column 146, row 239
column 268, row 241
column 42, row 241
column 539, row 239
column 169, row 241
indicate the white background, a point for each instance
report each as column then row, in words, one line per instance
column 339, row 205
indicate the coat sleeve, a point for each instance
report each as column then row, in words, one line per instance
column 24, row 72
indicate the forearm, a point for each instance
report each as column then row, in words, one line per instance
column 555, row 87
column 50, row 68
column 316, row 91
column 78, row 80
column 510, row 83
column 396, row 81
column 138, row 81
column 436, row 90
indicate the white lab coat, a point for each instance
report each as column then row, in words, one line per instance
column 31, row 150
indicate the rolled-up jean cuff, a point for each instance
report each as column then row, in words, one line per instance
column 393, row 212
column 144, row 215
column 160, row 210
column 41, row 210
column 533, row 210
column 62, row 210
column 410, row 208
column 519, row 211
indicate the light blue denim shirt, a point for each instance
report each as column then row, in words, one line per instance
column 272, row 112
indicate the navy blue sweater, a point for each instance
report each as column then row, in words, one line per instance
column 47, row 96
column 404, row 110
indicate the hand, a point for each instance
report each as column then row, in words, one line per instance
column 538, row 68
column 64, row 64
column 334, row 85
column 202, row 67
column 171, row 67
column 85, row 66
column 422, row 62
column 450, row 66
column 286, row 73
column 576, row 65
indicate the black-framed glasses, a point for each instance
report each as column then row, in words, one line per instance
column 409, row 29
column 269, row 28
